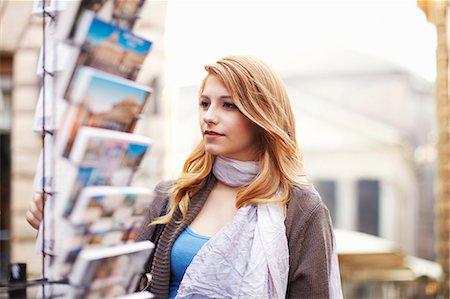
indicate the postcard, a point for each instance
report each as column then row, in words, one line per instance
column 55, row 51
column 118, row 12
column 101, row 157
column 106, row 47
column 44, row 118
column 109, row 272
column 102, row 217
column 101, row 100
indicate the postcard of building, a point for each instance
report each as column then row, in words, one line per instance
column 103, row 216
column 106, row 47
column 109, row 272
column 104, row 101
column 100, row 157
column 125, row 13
column 118, row 12
column 109, row 202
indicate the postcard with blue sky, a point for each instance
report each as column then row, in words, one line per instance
column 102, row 93
column 100, row 31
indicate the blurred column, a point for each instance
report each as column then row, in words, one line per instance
column 347, row 205
column 437, row 13
column 388, row 212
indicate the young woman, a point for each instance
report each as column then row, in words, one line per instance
column 241, row 221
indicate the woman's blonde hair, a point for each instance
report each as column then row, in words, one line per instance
column 261, row 96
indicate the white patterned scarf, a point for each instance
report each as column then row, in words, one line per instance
column 249, row 256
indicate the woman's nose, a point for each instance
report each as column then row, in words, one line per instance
column 210, row 116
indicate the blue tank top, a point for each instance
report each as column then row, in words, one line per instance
column 183, row 252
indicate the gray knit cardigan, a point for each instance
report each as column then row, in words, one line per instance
column 308, row 230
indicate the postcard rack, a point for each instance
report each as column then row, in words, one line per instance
column 90, row 155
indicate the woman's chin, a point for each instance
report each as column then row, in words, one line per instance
column 212, row 152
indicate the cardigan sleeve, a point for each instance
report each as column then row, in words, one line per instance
column 310, row 239
column 145, row 232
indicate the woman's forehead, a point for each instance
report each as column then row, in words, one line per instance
column 214, row 86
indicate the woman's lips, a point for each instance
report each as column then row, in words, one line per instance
column 208, row 132
column 212, row 134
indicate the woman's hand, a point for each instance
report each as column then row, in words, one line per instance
column 34, row 213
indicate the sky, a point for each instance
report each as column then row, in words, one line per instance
column 295, row 37
column 289, row 34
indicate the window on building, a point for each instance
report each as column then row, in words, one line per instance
column 5, row 163
column 368, row 206
column 5, row 92
column 327, row 190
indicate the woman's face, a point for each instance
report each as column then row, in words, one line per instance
column 226, row 131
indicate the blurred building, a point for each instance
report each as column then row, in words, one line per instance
column 367, row 133
column 21, row 39
column 372, row 267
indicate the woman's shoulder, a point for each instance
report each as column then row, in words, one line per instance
column 161, row 194
column 163, row 187
column 305, row 212
column 305, row 199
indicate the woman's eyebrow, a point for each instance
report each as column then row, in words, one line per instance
column 224, row 97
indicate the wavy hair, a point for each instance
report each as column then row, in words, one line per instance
column 261, row 96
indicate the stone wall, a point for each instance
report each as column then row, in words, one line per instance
column 25, row 144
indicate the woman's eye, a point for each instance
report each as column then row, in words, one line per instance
column 229, row 105
column 204, row 104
